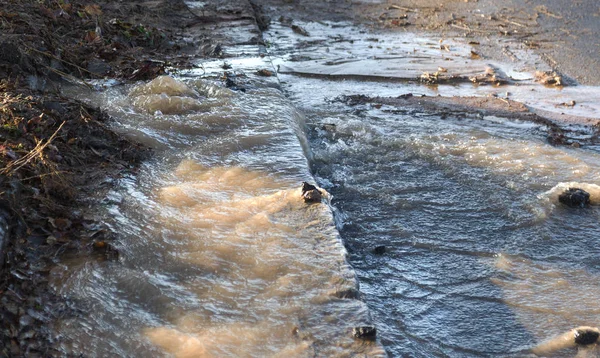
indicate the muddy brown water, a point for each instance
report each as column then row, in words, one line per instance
column 221, row 257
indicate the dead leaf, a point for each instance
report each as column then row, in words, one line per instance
column 91, row 37
column 8, row 15
column 475, row 55
column 264, row 73
column 93, row 10
column 47, row 12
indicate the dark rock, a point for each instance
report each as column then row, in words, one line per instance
column 310, row 193
column 586, row 336
column 307, row 187
column 98, row 67
column 350, row 293
column 365, row 332
column 379, row 250
column 575, row 197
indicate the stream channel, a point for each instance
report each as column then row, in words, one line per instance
column 449, row 223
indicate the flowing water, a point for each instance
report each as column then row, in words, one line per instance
column 480, row 258
column 220, row 256
column 452, row 225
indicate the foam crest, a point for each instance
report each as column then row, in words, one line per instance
column 506, row 156
column 166, row 104
column 163, row 85
column 230, row 340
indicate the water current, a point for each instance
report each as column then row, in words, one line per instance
column 480, row 258
column 220, row 256
column 451, row 223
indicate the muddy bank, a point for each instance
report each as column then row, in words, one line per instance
column 59, row 157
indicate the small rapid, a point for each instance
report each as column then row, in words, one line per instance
column 219, row 254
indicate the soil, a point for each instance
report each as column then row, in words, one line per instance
column 58, row 156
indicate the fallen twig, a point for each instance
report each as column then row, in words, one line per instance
column 544, row 10
column 466, row 28
column 39, row 148
column 396, row 7
column 71, row 77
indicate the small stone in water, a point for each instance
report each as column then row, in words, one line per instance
column 379, row 250
column 575, row 197
column 310, row 193
column 586, row 336
column 365, row 332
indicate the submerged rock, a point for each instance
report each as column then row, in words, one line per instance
column 310, row 193
column 379, row 250
column 586, row 335
column 575, row 197
column 365, row 332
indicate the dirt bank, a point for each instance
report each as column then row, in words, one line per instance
column 58, row 156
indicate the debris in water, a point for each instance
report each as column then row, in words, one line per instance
column 548, row 78
column 231, row 83
column 264, row 73
column 489, row 76
column 431, row 78
column 567, row 104
column 299, row 30
column 148, row 70
column 365, row 332
column 310, row 193
column 575, row 197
